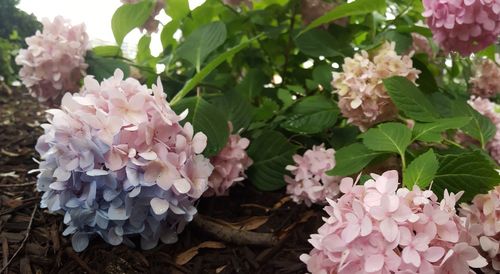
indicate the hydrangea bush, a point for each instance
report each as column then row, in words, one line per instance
column 116, row 161
column 54, row 62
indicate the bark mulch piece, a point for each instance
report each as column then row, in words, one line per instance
column 34, row 236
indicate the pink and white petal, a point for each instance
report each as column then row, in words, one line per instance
column 374, row 263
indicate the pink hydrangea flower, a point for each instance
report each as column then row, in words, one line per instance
column 421, row 44
column 229, row 165
column 151, row 25
column 488, row 109
column 362, row 96
column 486, row 80
column 116, row 161
column 483, row 217
column 380, row 228
column 310, row 183
column 54, row 62
column 465, row 26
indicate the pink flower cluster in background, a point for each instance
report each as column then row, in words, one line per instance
column 310, row 183
column 378, row 228
column 54, row 62
column 486, row 80
column 151, row 24
column 488, row 109
column 483, row 218
column 362, row 96
column 421, row 44
column 465, row 26
column 229, row 165
column 116, row 161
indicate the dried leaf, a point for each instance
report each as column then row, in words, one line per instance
column 251, row 223
column 220, row 269
column 189, row 254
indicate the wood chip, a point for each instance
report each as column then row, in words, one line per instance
column 189, row 254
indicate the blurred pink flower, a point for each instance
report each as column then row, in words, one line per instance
column 378, row 228
column 465, row 26
column 229, row 165
column 486, row 80
column 54, row 62
column 421, row 44
column 151, row 25
column 310, row 183
column 483, row 218
column 362, row 96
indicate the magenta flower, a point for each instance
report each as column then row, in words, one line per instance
column 465, row 26
column 311, row 184
column 378, row 228
column 362, row 96
column 117, row 162
column 486, row 80
column 229, row 165
column 54, row 62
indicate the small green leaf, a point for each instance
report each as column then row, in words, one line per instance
column 426, row 81
column 201, row 42
column 317, row 43
column 480, row 127
column 388, row 137
column 352, row 159
column 177, row 9
column 252, row 84
column 432, row 132
column 469, row 171
column 167, row 33
column 206, row 118
column 143, row 50
column 266, row 110
column 311, row 115
column 104, row 67
column 271, row 153
column 358, row 7
column 409, row 99
column 421, row 171
column 198, row 77
column 107, row 51
column 130, row 16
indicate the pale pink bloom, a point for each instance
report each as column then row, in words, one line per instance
column 363, row 234
column 421, row 44
column 362, row 96
column 54, row 62
column 310, row 183
column 486, row 80
column 483, row 217
column 229, row 165
column 151, row 24
column 465, row 26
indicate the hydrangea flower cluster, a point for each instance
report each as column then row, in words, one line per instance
column 486, row 80
column 310, row 183
column 465, row 26
column 483, row 217
column 54, row 62
column 378, row 228
column 421, row 44
column 488, row 109
column 229, row 165
column 151, row 24
column 116, row 161
column 362, row 96
column 313, row 9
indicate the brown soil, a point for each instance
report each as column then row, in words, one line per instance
column 47, row 251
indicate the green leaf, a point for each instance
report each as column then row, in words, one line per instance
column 104, row 67
column 469, row 171
column 311, row 115
column 177, row 9
column 322, row 74
column 318, row 42
column 198, row 77
column 206, row 118
column 432, row 132
column 409, row 99
column 266, row 110
column 130, row 16
column 352, row 159
column 252, row 84
column 271, row 153
column 143, row 50
column 388, row 137
column 426, row 81
column 480, row 127
column 201, row 42
column 107, row 51
column 238, row 109
column 421, row 171
column 167, row 33
column 358, row 7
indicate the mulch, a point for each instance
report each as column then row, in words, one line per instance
column 31, row 240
